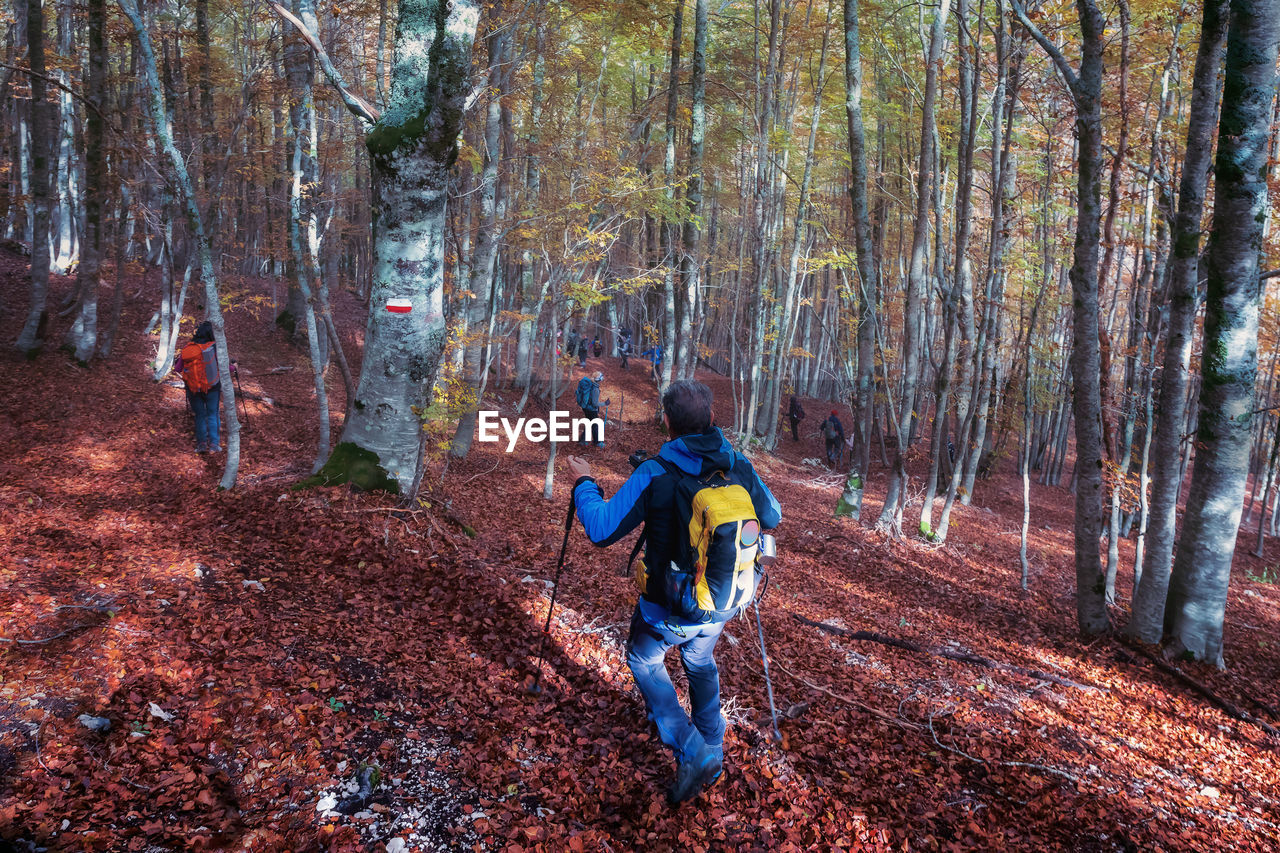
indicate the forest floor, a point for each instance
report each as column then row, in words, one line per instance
column 258, row 651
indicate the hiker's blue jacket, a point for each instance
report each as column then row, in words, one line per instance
column 648, row 497
column 654, row 354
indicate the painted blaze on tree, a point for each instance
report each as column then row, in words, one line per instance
column 412, row 145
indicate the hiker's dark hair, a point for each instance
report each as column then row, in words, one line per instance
column 204, row 334
column 688, row 407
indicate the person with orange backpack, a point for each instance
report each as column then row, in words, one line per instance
column 198, row 365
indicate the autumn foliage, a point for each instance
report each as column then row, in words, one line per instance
column 257, row 650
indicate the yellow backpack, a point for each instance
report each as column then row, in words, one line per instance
column 712, row 574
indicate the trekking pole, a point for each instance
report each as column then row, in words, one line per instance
column 764, row 658
column 235, row 374
column 555, row 587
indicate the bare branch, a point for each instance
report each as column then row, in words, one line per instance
column 1064, row 67
column 357, row 105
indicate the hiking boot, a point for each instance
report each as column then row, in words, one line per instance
column 693, row 776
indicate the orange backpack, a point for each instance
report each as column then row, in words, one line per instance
column 199, row 366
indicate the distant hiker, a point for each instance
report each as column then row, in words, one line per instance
column 198, row 364
column 597, row 348
column 795, row 414
column 696, row 468
column 582, row 351
column 571, row 343
column 624, row 346
column 654, row 354
column 588, row 398
column 833, row 432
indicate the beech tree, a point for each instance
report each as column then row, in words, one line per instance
column 1086, row 90
column 1229, row 361
column 412, row 143
column 1147, row 622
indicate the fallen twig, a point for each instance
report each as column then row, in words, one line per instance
column 875, row 712
column 1044, row 768
column 962, row 657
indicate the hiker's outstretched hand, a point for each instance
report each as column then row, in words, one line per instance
column 579, row 468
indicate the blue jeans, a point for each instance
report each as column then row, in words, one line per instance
column 205, row 408
column 647, row 647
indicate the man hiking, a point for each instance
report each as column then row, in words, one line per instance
column 654, row 354
column 698, row 461
column 624, row 347
column 795, row 414
column 582, row 351
column 198, row 365
column 833, row 432
column 588, row 399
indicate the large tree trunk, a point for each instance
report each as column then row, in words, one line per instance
column 1229, row 364
column 1147, row 622
column 411, row 146
column 31, row 338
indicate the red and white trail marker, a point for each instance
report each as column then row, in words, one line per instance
column 399, row 306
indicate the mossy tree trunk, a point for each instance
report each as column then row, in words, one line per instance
column 1197, row 602
column 411, row 145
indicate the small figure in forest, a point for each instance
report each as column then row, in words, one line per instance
column 654, row 354
column 198, row 366
column 597, row 348
column 795, row 414
column 582, row 351
column 588, row 399
column 624, row 346
column 651, row 496
column 833, row 432
column 571, row 343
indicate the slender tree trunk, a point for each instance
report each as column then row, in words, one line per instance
column 1229, row 363
column 913, row 343
column 32, row 337
column 691, row 257
column 195, row 222
column 1147, row 622
column 1086, row 89
column 671, row 229
column 483, row 264
column 82, row 337
column 298, row 68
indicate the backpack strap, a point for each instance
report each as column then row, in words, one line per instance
column 668, row 468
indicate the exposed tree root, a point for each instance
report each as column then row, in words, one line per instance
column 1222, row 703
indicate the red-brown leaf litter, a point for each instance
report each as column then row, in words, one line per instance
column 260, row 653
